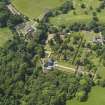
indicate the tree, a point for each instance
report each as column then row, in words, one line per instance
column 81, row 96
column 14, row 20
column 83, row 6
column 102, row 83
column 4, row 14
column 67, row 6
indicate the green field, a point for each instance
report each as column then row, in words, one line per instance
column 5, row 34
column 70, row 19
column 34, row 8
column 96, row 97
column 79, row 14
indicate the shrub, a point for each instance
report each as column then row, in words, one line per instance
column 83, row 6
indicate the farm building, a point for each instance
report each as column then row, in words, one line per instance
column 26, row 28
column 49, row 65
column 98, row 39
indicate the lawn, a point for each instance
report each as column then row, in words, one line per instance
column 34, row 8
column 65, row 63
column 5, row 34
column 70, row 19
column 101, row 71
column 96, row 97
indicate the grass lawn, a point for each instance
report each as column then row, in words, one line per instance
column 5, row 34
column 65, row 63
column 34, row 8
column 96, row 97
column 101, row 71
column 70, row 19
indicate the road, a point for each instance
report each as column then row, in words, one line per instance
column 73, row 70
column 13, row 9
column 64, row 67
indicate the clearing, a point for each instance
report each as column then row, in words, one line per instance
column 5, row 35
